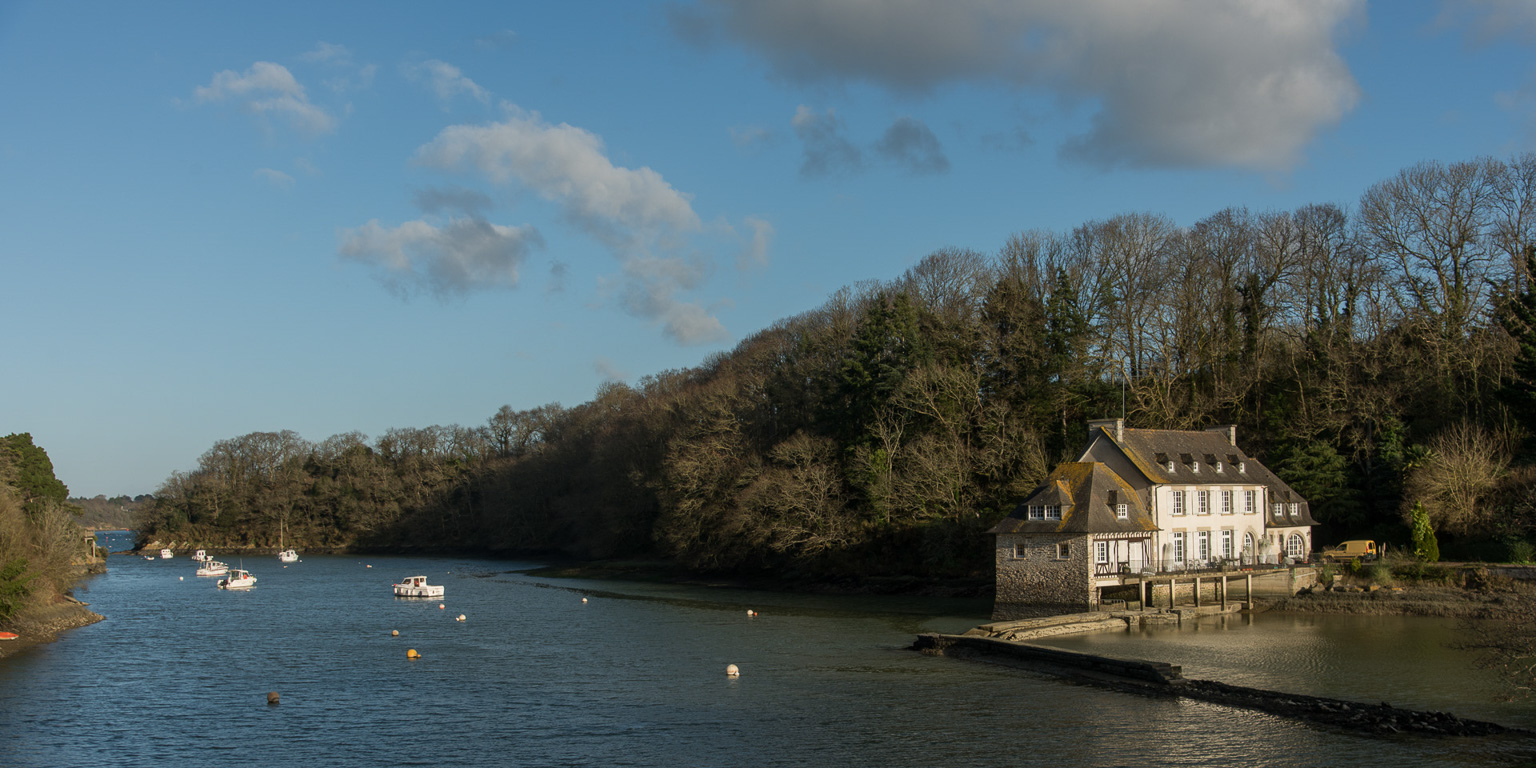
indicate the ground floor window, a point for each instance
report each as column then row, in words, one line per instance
column 1295, row 546
column 1226, row 545
column 1178, row 546
column 1101, row 552
column 1018, row 551
column 1204, row 553
column 1063, row 551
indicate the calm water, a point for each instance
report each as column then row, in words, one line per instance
column 179, row 671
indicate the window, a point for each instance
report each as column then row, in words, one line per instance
column 1178, row 502
column 1249, row 547
column 1219, row 468
column 1053, row 512
column 1122, row 511
column 1278, row 510
column 1194, row 466
column 1178, row 546
column 1018, row 551
column 1203, row 500
column 1063, row 551
column 1295, row 510
column 1242, row 467
column 1226, row 502
column 1170, row 467
column 1203, row 541
column 1226, row 545
column 1101, row 552
column 1295, row 547
column 1036, row 512
column 1249, row 498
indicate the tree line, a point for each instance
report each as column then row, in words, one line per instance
column 1375, row 356
column 40, row 542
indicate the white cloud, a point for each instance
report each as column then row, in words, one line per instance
column 267, row 89
column 463, row 255
column 1178, row 83
column 447, row 81
column 328, row 52
column 634, row 211
column 755, row 254
column 274, row 177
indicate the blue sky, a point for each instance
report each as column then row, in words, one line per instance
column 330, row 217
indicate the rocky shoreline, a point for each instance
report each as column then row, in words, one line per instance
column 45, row 624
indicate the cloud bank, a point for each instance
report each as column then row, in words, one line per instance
column 267, row 89
column 1177, row 83
column 635, row 212
column 460, row 256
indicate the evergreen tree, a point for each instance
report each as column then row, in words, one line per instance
column 1425, row 546
column 33, row 472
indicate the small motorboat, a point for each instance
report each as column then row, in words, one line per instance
column 288, row 556
column 200, row 555
column 237, row 579
column 417, row 586
column 9, row 636
column 166, row 554
column 212, row 567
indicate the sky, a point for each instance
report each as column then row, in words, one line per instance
column 218, row 219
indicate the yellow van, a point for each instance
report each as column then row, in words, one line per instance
column 1357, row 549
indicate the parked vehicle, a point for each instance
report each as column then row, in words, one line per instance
column 1356, row 549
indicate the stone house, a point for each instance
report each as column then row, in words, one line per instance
column 1141, row 502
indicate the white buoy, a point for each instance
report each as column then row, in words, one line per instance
column 732, row 671
column 583, row 599
column 181, row 578
column 460, row 618
column 394, row 633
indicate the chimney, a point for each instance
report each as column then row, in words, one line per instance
column 1116, row 428
column 1230, row 430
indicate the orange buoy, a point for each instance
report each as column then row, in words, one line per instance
column 412, row 654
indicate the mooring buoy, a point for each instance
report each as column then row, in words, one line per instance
column 412, row 654
column 271, row 698
column 732, row 671
column 394, row 633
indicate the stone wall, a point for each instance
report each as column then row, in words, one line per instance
column 1033, row 581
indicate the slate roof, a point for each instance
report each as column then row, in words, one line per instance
column 1150, row 450
column 1087, row 492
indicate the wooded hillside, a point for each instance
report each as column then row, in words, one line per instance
column 1373, row 356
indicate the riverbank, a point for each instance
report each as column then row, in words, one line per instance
column 663, row 572
column 44, row 624
column 1476, row 594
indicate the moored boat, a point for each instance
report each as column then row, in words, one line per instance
column 166, row 554
column 237, row 579
column 288, row 556
column 417, row 586
column 211, row 567
column 200, row 555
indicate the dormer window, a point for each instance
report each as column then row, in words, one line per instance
column 1242, row 467
column 1218, row 468
column 1122, row 511
column 1170, row 466
column 1295, row 510
column 1194, row 466
column 1053, row 512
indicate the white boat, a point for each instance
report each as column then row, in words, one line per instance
column 200, row 555
column 237, row 579
column 417, row 586
column 212, row 567
column 166, row 554
column 288, row 556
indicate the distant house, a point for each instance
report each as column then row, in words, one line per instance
column 1139, row 502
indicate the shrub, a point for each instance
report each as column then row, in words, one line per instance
column 1425, row 546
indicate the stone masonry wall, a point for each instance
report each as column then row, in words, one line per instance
column 1032, row 581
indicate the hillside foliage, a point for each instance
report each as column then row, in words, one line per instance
column 1376, row 357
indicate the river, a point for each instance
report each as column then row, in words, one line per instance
column 179, row 672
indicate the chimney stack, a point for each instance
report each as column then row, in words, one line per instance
column 1230, row 430
column 1115, row 427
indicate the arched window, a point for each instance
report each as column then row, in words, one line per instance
column 1250, row 548
column 1295, row 547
